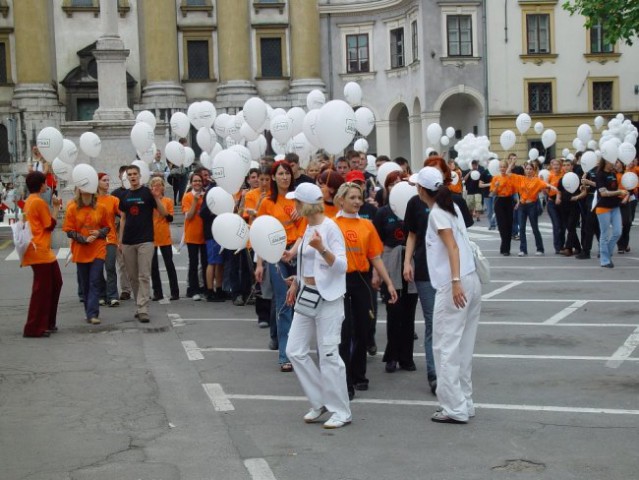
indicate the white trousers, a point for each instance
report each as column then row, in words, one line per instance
column 454, row 332
column 325, row 386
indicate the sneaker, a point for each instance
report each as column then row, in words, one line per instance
column 539, row 254
column 197, row 297
column 336, row 422
column 114, row 302
column 583, row 256
column 102, row 302
column 522, row 254
column 515, row 237
column 94, row 321
column 238, row 301
column 362, row 386
column 125, row 296
column 263, row 324
column 144, row 317
column 314, row 414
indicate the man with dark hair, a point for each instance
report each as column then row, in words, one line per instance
column 342, row 167
column 298, row 177
column 136, row 237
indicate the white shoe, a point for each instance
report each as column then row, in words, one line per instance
column 521, row 254
column 314, row 414
column 335, row 422
column 197, row 297
column 539, row 254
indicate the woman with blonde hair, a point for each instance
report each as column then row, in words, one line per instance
column 162, row 240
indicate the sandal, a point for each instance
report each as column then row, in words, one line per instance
column 286, row 367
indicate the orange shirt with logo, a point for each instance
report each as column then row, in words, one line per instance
column 252, row 200
column 37, row 213
column 111, row 204
column 502, row 186
column 362, row 242
column 330, row 210
column 528, row 188
column 161, row 226
column 193, row 227
column 282, row 210
column 554, row 179
column 84, row 220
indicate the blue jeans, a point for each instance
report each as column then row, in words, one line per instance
column 608, row 236
column 109, row 289
column 558, row 228
column 426, row 295
column 283, row 313
column 90, row 276
column 529, row 211
column 489, row 207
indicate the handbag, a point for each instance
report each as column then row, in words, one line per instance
column 22, row 237
column 308, row 299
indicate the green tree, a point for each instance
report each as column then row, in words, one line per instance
column 619, row 18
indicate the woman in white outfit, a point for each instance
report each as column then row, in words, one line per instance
column 321, row 266
column 451, row 267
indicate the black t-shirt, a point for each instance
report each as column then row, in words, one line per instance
column 485, row 177
column 390, row 228
column 120, row 192
column 138, row 207
column 380, row 198
column 607, row 180
column 367, row 211
column 472, row 186
column 416, row 221
column 303, row 179
column 592, row 176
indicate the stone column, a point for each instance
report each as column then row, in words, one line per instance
column 234, row 49
column 305, row 49
column 159, row 45
column 111, row 56
column 382, row 130
column 417, row 150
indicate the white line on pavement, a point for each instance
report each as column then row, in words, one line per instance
column 568, row 280
column 192, row 350
column 501, row 290
column 219, row 399
column 259, row 469
column 557, row 317
column 555, row 300
column 428, row 403
column 63, row 253
column 563, row 267
column 623, row 353
column 13, row 256
column 176, row 320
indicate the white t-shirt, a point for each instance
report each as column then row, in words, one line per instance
column 436, row 252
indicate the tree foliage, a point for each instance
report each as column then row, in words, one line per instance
column 619, row 18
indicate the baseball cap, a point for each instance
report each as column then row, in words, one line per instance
column 306, row 193
column 355, row 176
column 428, row 177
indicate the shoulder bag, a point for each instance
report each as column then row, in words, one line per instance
column 308, row 298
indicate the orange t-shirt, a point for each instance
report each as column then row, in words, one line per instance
column 111, row 204
column 362, row 242
column 193, row 227
column 37, row 213
column 161, row 226
column 282, row 210
column 330, row 210
column 458, row 187
column 83, row 220
column 252, row 200
column 527, row 188
column 554, row 179
column 502, row 186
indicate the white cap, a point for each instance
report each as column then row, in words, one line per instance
column 428, row 177
column 306, row 193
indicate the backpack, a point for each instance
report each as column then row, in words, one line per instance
column 22, row 237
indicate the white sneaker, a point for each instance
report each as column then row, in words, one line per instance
column 521, row 254
column 314, row 414
column 335, row 422
column 539, row 254
column 197, row 297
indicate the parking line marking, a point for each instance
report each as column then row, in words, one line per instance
column 192, row 350
column 557, row 317
column 558, row 300
column 219, row 399
column 555, row 267
column 259, row 469
column 623, row 353
column 501, row 290
column 430, row 403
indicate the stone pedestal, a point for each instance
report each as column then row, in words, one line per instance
column 234, row 93
column 300, row 89
column 111, row 56
column 164, row 94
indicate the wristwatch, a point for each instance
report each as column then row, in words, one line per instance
column 456, row 280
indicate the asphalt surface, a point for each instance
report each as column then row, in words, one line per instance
column 197, row 395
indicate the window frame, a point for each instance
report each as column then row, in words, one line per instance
column 67, row 7
column 197, row 34
column 5, row 38
column 271, row 32
column 553, row 92
column 538, row 7
column 615, row 92
column 359, row 60
column 357, row 29
column 414, row 40
column 456, row 10
column 459, row 31
column 207, row 8
column 394, row 42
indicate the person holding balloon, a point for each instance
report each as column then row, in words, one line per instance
column 567, row 202
column 283, row 209
column 111, row 204
column 610, row 196
column 589, row 222
column 194, row 236
column 162, row 240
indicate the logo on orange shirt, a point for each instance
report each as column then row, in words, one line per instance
column 351, row 236
column 289, row 209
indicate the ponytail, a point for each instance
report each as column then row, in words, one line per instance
column 443, row 198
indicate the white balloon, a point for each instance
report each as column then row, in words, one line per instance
column 627, row 153
column 230, row 231
column 450, row 132
column 539, row 127
column 475, row 175
column 275, row 112
column 255, row 113
column 541, row 159
column 145, row 173
column 125, row 181
column 533, row 153
column 588, row 161
column 361, row 145
column 493, row 167
column 205, row 139
column 142, row 136
column 248, row 133
column 353, row 94
column 570, row 181
column 193, row 112
column 565, row 152
column 69, row 152
column 268, row 238
column 217, row 148
column 454, row 178
column 384, row 169
column 315, row 100
column 544, row 175
column 548, row 138
column 206, row 161
column 570, row 157
column 578, row 145
column 232, row 130
column 278, row 148
column 257, row 147
column 228, row 170
column 301, row 146
column 180, row 124
column 309, row 127
column 148, row 155
column 49, row 143
column 61, row 169
column 85, row 178
column 629, row 180
column 599, row 121
column 281, row 128
column 189, row 157
column 523, row 122
column 90, row 144
column 335, row 126
column 296, row 115
column 174, row 152
column 221, row 124
column 220, row 201
column 584, row 133
column 399, row 196
column 610, row 151
column 507, row 139
column 619, row 117
column 207, row 113
column 434, row 133
column 147, row 117
column 245, row 157
column 365, row 120
column 444, row 140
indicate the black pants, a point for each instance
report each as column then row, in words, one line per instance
column 358, row 315
column 589, row 224
column 400, row 329
column 504, row 215
column 197, row 253
column 570, row 214
column 156, row 282
column 627, row 216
